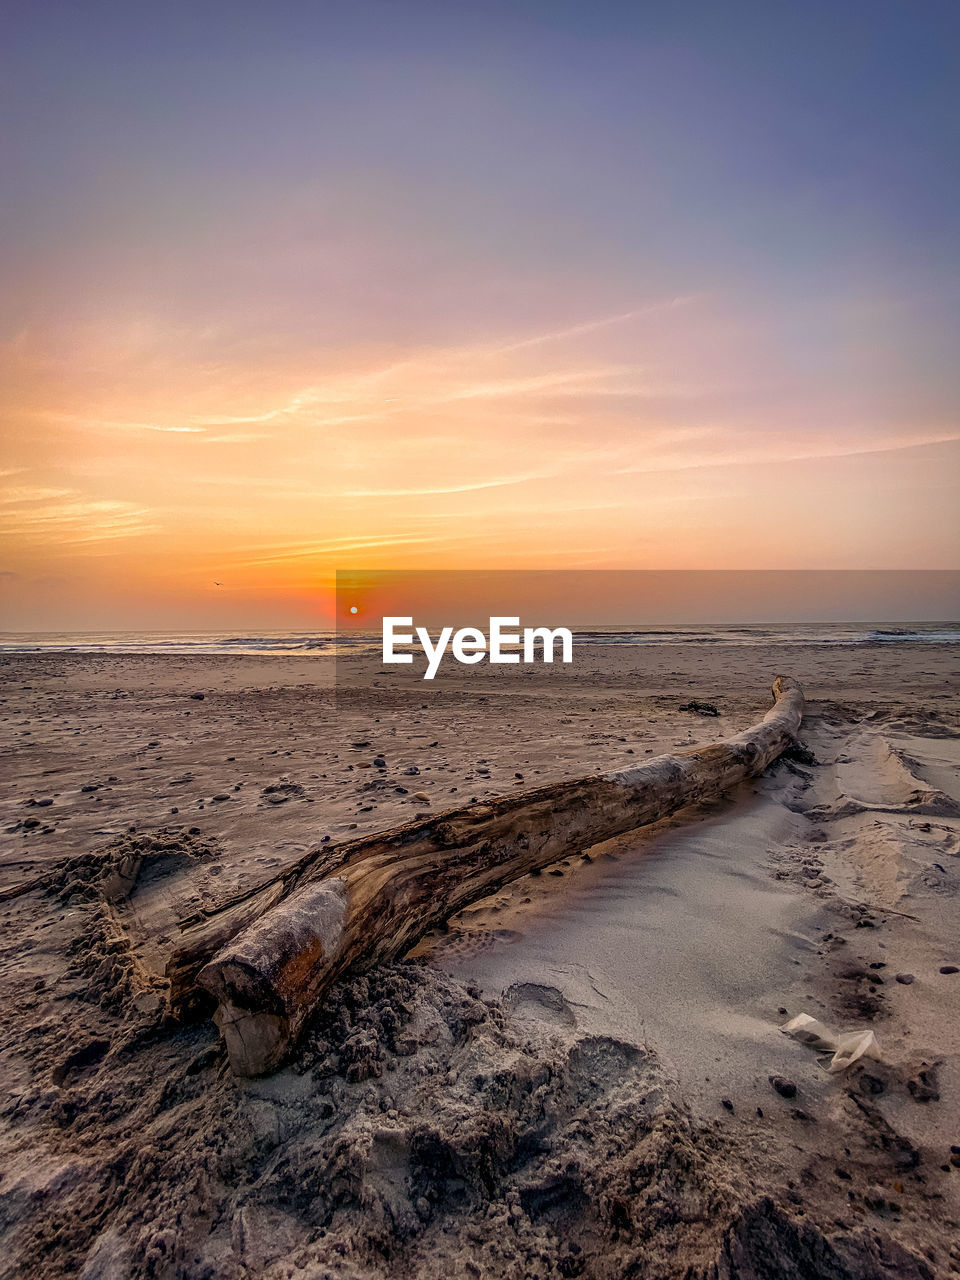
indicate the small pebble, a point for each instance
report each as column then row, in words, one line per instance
column 906, row 978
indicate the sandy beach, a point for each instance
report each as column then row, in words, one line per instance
column 581, row 1075
column 480, row 641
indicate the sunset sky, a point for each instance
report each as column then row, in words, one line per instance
column 296, row 287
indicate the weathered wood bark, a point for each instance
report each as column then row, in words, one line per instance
column 373, row 899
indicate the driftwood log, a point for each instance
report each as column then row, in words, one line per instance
column 370, row 900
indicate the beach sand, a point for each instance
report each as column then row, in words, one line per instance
column 574, row 1077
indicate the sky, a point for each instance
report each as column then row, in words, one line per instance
column 300, row 287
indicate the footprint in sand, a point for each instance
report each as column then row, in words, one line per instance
column 539, row 1003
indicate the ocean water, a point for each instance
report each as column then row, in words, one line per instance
column 328, row 642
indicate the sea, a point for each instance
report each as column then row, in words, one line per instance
column 330, row 642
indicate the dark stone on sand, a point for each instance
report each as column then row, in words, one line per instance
column 726, row 1104
column 786, row 1088
column 949, row 968
column 871, row 1084
column 700, row 708
column 198, row 697
column 923, row 1086
column 905, row 978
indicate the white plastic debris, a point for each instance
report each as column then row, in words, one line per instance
column 850, row 1047
column 811, row 1033
column 846, row 1048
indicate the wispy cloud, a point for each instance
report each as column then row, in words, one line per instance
column 113, row 424
column 575, row 382
column 339, row 546
column 498, row 482
column 593, row 326
column 237, row 437
column 75, row 520
column 22, row 494
column 435, row 377
column 519, row 375
column 774, row 451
